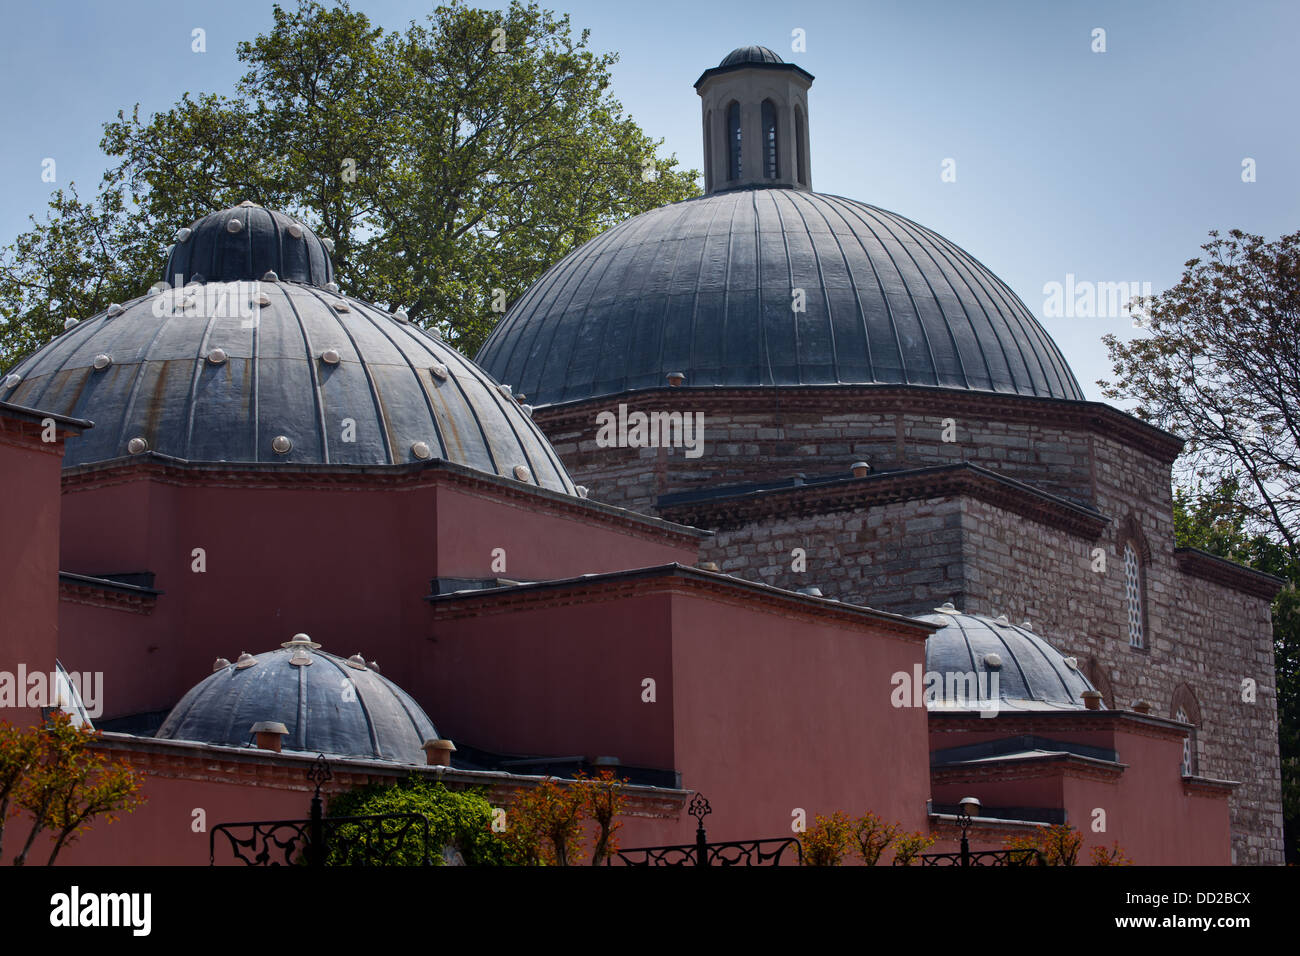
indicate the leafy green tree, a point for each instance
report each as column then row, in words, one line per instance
column 451, row 163
column 457, row 818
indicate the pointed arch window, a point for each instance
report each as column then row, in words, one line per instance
column 1187, row 709
column 733, row 140
column 1133, row 591
column 770, row 168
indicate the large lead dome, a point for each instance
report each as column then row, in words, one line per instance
column 763, row 282
column 232, row 368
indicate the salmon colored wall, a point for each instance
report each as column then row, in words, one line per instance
column 29, row 584
column 774, row 714
column 349, row 567
column 160, row 833
column 538, row 546
column 559, row 681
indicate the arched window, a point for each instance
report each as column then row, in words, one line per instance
column 709, row 172
column 800, row 164
column 1185, row 708
column 770, row 170
column 1133, row 589
column 733, row 140
column 1131, row 545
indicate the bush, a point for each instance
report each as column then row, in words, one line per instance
column 457, row 818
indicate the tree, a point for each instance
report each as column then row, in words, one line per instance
column 872, row 836
column 451, row 163
column 603, row 802
column 67, row 785
column 19, row 750
column 829, row 841
column 1221, row 367
column 544, row 823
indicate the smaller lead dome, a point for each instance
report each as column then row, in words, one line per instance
column 750, row 54
column 243, row 244
column 330, row 707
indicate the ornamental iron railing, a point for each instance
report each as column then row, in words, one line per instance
column 1024, row 857
column 377, row 839
column 704, row 853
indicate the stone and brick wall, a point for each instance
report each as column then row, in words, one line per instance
column 988, row 551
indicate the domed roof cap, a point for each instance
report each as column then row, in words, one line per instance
column 750, row 54
column 756, row 287
column 244, row 243
column 330, row 705
column 1031, row 674
column 286, row 373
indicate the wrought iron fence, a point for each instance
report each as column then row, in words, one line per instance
column 377, row 839
column 704, row 853
column 1025, row 857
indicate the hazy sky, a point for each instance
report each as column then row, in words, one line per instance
column 1107, row 166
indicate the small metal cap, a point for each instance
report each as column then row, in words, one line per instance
column 269, row 727
column 295, row 230
column 13, row 381
column 234, row 225
column 114, row 310
column 270, row 276
column 581, row 490
column 102, row 361
column 331, row 287
column 217, row 356
column 137, row 446
column 992, row 660
column 68, row 323
column 300, row 640
column 249, row 202
column 522, row 473
column 183, row 233
column 505, row 391
column 244, row 660
column 331, row 357
column 1003, row 620
column 329, row 245
column 281, row 445
column 158, row 288
column 338, row 305
column 421, row 450
column 401, row 316
column 527, row 409
column 439, row 371
column 1072, row 663
column 220, row 664
column 357, row 662
column 860, row 469
column 260, row 299
column 947, row 607
column 676, row 378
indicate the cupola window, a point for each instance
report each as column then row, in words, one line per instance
column 733, row 140
column 770, row 169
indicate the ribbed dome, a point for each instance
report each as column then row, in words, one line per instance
column 329, row 706
column 750, row 54
column 244, row 243
column 200, row 374
column 707, row 287
column 1032, row 674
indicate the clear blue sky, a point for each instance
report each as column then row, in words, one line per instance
column 1108, row 166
